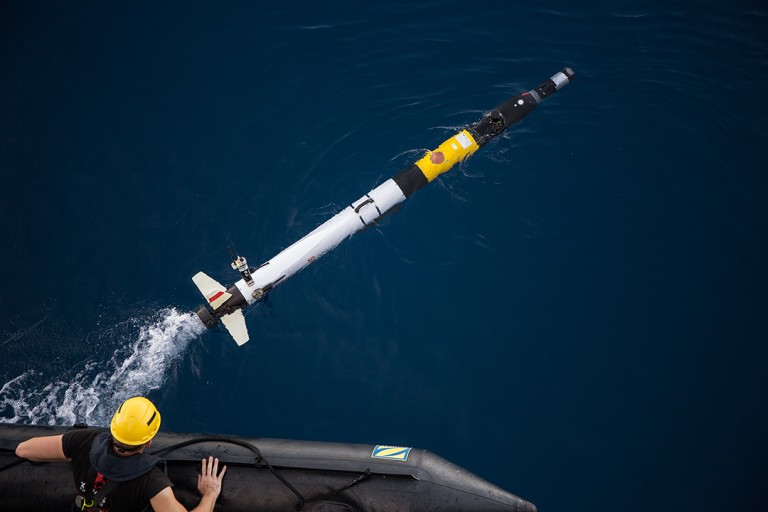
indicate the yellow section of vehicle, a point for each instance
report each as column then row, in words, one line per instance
column 448, row 154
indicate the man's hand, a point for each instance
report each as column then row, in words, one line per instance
column 208, row 481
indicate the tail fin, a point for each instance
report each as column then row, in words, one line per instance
column 212, row 290
column 235, row 324
column 216, row 295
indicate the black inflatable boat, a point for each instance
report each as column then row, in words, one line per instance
column 273, row 475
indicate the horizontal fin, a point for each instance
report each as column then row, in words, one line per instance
column 212, row 290
column 235, row 324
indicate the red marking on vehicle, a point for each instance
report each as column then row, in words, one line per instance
column 215, row 296
column 311, row 259
column 437, row 157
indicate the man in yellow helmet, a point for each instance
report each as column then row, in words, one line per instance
column 112, row 472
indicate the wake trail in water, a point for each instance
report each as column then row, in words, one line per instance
column 92, row 390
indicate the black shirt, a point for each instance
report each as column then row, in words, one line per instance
column 132, row 495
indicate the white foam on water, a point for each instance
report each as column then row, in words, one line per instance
column 139, row 365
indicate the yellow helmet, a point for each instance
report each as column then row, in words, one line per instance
column 135, row 422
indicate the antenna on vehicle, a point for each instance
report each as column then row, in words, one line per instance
column 240, row 264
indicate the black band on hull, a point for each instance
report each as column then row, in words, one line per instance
column 410, row 180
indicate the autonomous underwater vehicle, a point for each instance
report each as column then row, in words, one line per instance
column 225, row 304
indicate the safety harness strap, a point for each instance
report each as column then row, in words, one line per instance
column 88, row 502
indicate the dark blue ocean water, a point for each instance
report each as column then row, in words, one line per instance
column 577, row 314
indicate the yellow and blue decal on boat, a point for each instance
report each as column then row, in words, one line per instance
column 383, row 451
